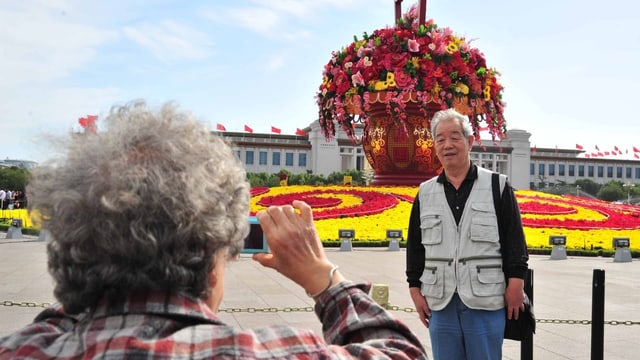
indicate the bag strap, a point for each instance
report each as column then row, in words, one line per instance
column 497, row 196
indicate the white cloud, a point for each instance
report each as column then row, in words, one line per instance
column 169, row 40
column 40, row 45
column 275, row 62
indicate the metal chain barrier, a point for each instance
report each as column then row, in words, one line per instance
column 31, row 304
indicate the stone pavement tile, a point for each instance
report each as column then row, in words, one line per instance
column 562, row 291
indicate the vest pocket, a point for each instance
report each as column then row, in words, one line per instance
column 487, row 280
column 431, row 226
column 484, row 223
column 433, row 281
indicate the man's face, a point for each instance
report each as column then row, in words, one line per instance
column 452, row 147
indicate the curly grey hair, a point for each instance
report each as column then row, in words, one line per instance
column 451, row 114
column 142, row 206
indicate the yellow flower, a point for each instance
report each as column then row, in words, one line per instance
column 326, row 82
column 462, row 88
column 389, row 82
column 436, row 89
column 487, row 93
column 454, row 44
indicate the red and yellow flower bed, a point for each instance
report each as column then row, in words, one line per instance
column 371, row 210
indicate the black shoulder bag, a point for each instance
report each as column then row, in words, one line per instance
column 526, row 323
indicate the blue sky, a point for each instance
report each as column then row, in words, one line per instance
column 569, row 67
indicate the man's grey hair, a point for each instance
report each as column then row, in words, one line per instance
column 141, row 206
column 451, row 114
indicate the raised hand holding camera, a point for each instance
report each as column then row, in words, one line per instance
column 296, row 249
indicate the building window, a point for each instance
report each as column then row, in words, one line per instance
column 572, row 170
column 552, row 169
column 249, row 158
column 600, row 171
column 302, row 159
column 263, row 158
column 590, row 171
column 628, row 172
column 288, row 159
column 561, row 170
column 619, row 172
column 638, row 173
column 581, row 170
column 541, row 169
column 609, row 171
column 532, row 169
column 275, row 158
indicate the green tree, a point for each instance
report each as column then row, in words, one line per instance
column 612, row 191
column 263, row 179
column 588, row 186
column 14, row 178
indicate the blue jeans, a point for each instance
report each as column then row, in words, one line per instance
column 458, row 332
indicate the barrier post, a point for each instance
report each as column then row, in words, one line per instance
column 346, row 235
column 526, row 345
column 597, row 315
column 15, row 230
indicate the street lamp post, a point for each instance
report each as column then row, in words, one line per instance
column 628, row 186
column 577, row 190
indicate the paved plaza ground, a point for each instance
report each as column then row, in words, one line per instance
column 562, row 291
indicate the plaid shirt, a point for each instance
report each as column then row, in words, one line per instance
column 166, row 326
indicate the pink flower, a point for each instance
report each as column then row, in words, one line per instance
column 413, row 45
column 357, row 79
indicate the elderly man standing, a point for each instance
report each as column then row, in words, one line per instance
column 462, row 274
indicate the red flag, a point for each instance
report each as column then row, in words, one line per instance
column 597, row 148
column 587, row 156
column 248, row 129
column 635, row 149
column 301, row 132
column 275, row 130
column 220, row 127
column 607, row 153
column 534, row 150
column 616, row 148
column 88, row 123
column 636, row 155
column 579, row 147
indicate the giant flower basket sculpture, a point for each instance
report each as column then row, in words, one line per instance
column 393, row 81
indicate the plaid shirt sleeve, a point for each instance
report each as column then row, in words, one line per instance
column 174, row 327
column 363, row 329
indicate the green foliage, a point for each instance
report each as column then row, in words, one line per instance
column 263, row 179
column 612, row 191
column 13, row 178
column 588, row 186
column 308, row 178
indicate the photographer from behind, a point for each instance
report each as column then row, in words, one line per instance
column 144, row 217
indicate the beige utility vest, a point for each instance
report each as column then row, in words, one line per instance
column 465, row 258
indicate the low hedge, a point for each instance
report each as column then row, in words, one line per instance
column 403, row 244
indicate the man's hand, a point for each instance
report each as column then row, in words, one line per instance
column 424, row 312
column 514, row 298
